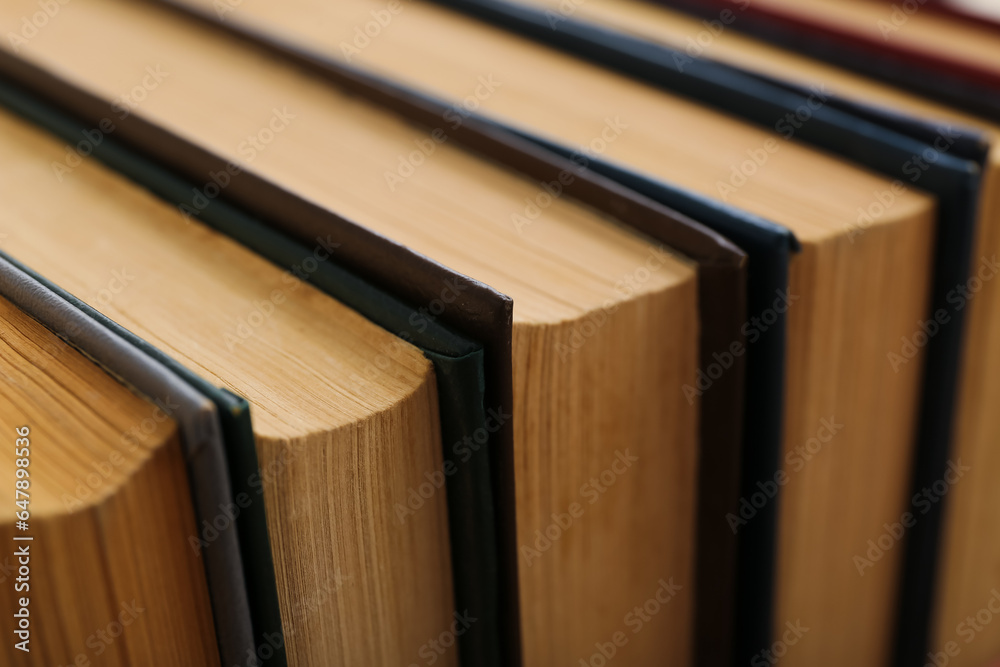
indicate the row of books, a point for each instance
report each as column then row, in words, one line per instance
column 497, row 333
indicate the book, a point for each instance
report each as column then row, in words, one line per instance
column 88, row 463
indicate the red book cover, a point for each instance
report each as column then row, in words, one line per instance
column 878, row 47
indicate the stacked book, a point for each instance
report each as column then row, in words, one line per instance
column 541, row 333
